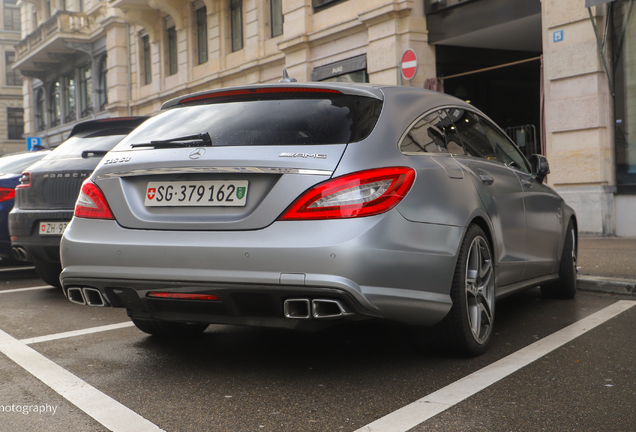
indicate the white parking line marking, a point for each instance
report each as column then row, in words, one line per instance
column 26, row 289
column 423, row 409
column 74, row 333
column 106, row 410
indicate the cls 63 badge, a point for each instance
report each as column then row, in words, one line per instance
column 116, row 160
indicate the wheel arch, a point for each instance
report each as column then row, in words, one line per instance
column 485, row 226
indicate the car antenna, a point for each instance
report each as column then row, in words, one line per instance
column 286, row 78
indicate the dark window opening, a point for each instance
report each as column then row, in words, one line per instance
column 70, row 113
column 173, row 65
column 625, row 99
column 40, row 121
column 236, row 24
column 276, row 14
column 146, row 59
column 11, row 16
column 202, row 35
column 15, row 123
column 103, row 84
column 55, row 104
column 13, row 76
column 86, row 91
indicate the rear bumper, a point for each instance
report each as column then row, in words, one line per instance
column 382, row 266
column 25, row 225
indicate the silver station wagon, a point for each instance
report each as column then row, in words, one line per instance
column 302, row 205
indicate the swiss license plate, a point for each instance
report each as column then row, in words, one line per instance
column 215, row 193
column 52, row 228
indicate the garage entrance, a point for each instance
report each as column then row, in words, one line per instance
column 488, row 53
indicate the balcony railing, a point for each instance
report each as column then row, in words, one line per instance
column 62, row 23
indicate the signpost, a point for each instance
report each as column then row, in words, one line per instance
column 31, row 142
column 408, row 65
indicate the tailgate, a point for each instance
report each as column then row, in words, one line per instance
column 213, row 188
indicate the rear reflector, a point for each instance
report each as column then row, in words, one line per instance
column 363, row 193
column 181, row 296
column 256, row 91
column 25, row 180
column 6, row 194
column 91, row 203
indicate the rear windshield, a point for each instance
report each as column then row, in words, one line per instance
column 15, row 164
column 75, row 146
column 335, row 119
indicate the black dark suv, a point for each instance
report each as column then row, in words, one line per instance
column 46, row 195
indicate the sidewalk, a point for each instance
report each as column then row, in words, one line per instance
column 607, row 264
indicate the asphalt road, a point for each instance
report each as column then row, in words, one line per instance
column 553, row 365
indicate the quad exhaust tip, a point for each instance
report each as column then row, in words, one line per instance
column 297, row 308
column 318, row 308
column 86, row 296
column 20, row 253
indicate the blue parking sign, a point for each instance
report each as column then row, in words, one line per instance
column 33, row 143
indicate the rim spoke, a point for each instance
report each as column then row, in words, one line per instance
column 475, row 319
column 485, row 305
column 479, row 286
column 484, row 269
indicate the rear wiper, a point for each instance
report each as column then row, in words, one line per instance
column 93, row 153
column 198, row 140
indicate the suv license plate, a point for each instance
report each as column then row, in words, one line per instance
column 52, row 228
column 197, row 193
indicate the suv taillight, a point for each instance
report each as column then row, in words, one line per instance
column 25, row 180
column 363, row 193
column 91, row 203
column 6, row 194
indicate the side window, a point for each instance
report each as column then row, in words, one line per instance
column 426, row 136
column 472, row 134
column 505, row 151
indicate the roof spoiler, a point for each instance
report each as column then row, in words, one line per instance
column 126, row 123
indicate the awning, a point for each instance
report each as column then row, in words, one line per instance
column 590, row 3
column 340, row 68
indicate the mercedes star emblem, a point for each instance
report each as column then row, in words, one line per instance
column 197, row 153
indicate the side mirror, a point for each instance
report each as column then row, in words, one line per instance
column 540, row 167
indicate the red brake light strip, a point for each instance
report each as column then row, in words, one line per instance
column 255, row 91
column 181, row 296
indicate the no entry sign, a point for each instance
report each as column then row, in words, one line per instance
column 409, row 64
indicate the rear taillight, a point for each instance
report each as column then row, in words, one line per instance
column 91, row 203
column 6, row 194
column 25, row 180
column 363, row 193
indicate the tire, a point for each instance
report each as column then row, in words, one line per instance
column 49, row 272
column 169, row 328
column 565, row 287
column 467, row 328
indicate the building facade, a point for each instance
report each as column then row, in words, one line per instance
column 557, row 75
column 11, row 112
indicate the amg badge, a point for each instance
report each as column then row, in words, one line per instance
column 303, row 155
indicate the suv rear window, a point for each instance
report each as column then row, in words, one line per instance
column 76, row 145
column 332, row 119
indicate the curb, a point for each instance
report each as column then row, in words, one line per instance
column 606, row 285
